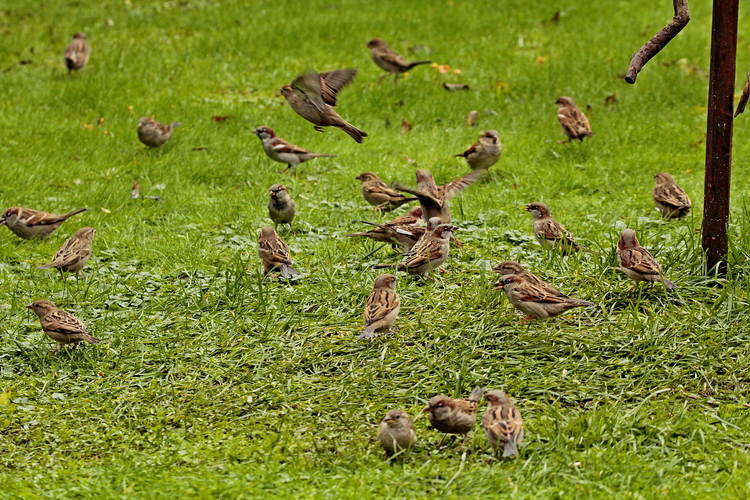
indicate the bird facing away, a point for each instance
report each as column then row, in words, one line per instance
column 154, row 134
column 637, row 262
column 274, row 253
column 77, row 53
column 313, row 97
column 551, row 234
column 284, row 151
column 574, row 123
column 454, row 415
column 379, row 194
column 61, row 326
column 74, row 253
column 396, row 432
column 387, row 59
column 433, row 198
column 502, row 423
column 485, row 152
column 671, row 200
column 382, row 306
column 33, row 224
column 281, row 206
column 510, row 267
column 534, row 300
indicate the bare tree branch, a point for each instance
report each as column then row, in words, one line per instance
column 743, row 97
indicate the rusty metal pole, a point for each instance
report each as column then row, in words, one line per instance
column 719, row 133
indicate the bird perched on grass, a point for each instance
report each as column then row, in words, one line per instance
column 551, row 234
column 284, row 151
column 429, row 253
column 574, row 123
column 387, row 59
column 637, row 262
column 274, row 253
column 399, row 234
column 281, row 206
column 502, row 423
column 154, row 134
column 671, row 200
column 313, row 97
column 534, row 300
column 396, row 432
column 485, row 152
column 433, row 198
column 77, row 53
column 454, row 415
column 380, row 194
column 33, row 224
column 61, row 326
column 382, row 306
column 510, row 267
column 74, row 253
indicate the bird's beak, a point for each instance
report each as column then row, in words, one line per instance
column 455, row 228
column 427, row 409
column 498, row 286
column 29, row 306
column 2, row 221
column 527, row 208
column 388, row 420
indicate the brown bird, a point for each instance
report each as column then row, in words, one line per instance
column 396, row 432
column 454, row 415
column 33, row 224
column 379, row 194
column 485, row 152
column 502, row 423
column 402, row 231
column 510, row 267
column 154, row 134
column 274, row 253
column 284, row 151
column 637, row 262
column 61, row 326
column 574, row 123
column 387, row 59
column 313, row 96
column 74, row 253
column 281, row 206
column 382, row 306
column 534, row 300
column 550, row 234
column 671, row 200
column 428, row 253
column 433, row 198
column 77, row 53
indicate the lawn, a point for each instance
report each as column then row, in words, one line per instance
column 214, row 382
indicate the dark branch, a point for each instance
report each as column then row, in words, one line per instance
column 743, row 98
column 659, row 40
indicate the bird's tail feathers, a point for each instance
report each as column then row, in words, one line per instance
column 510, row 448
column 411, row 65
column 367, row 333
column 476, row 394
column 288, row 271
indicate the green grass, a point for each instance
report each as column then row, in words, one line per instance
column 212, row 382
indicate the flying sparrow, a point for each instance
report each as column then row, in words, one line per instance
column 274, row 253
column 281, row 206
column 428, row 253
column 313, row 96
column 534, row 300
column 485, row 152
column 637, row 262
column 396, row 432
column 510, row 267
column 502, row 423
column 61, row 326
column 574, row 123
column 382, row 306
column 154, row 134
column 433, row 198
column 671, row 200
column 551, row 234
column 454, row 416
column 77, row 53
column 284, row 151
column 74, row 253
column 379, row 194
column 389, row 60
column 33, row 224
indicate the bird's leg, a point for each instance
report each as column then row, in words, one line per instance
column 442, row 271
column 527, row 319
column 384, row 76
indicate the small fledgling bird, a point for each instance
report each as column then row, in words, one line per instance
column 382, row 306
column 154, row 134
column 429, row 253
column 454, row 415
column 387, row 59
column 313, row 97
column 502, row 423
column 74, row 253
column 284, row 151
column 671, row 200
column 33, row 224
column 574, row 123
column 534, row 300
column 274, row 253
column 281, row 206
column 485, row 152
column 77, row 53
column 510, row 267
column 637, row 262
column 396, row 432
column 61, row 326
column 379, row 194
column 550, row 234
column 433, row 198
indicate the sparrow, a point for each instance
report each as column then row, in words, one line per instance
column 389, row 60
column 274, row 253
column 396, row 432
column 77, row 53
column 637, row 262
column 284, row 151
column 551, row 234
column 154, row 134
column 61, row 326
column 510, row 267
column 382, row 306
column 433, row 198
column 33, row 224
column 454, row 416
column 74, row 253
column 281, row 206
column 534, row 300
column 402, row 231
column 485, row 152
column 574, row 123
column 428, row 253
column 379, row 194
column 671, row 200
column 313, row 97
column 502, row 423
